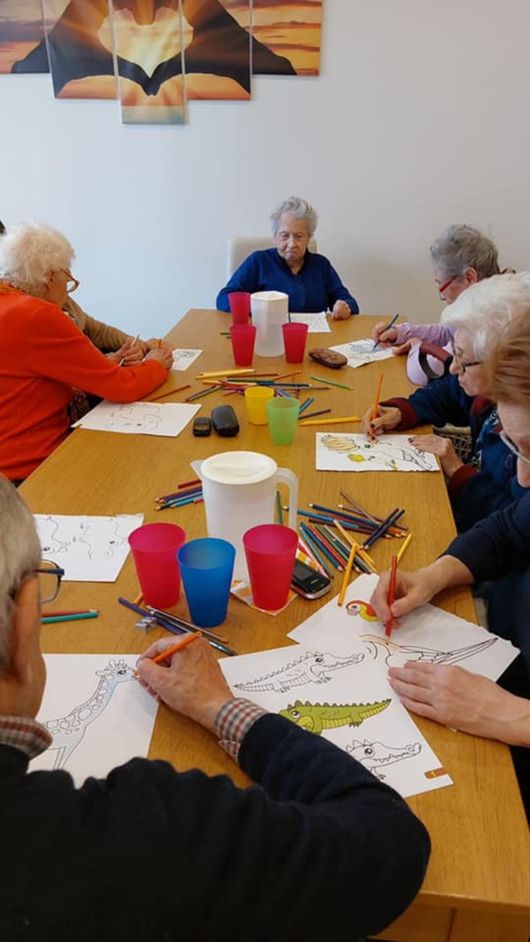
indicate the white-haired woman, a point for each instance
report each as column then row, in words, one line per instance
column 489, row 481
column 461, row 257
column 43, row 355
column 309, row 280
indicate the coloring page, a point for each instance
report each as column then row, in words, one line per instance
column 428, row 634
column 96, row 711
column 336, row 691
column 139, row 418
column 184, row 358
column 89, row 549
column 360, row 352
column 317, row 323
column 350, row 452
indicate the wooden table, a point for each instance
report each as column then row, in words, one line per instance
column 477, row 888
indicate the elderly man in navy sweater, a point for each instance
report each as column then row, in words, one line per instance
column 149, row 854
column 309, row 280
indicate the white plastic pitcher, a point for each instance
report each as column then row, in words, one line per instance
column 239, row 490
column 269, row 311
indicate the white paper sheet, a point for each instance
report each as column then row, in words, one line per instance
column 428, row 634
column 354, row 452
column 361, row 352
column 184, row 358
column 97, row 712
column 318, row 323
column 308, row 681
column 139, row 418
column 89, row 549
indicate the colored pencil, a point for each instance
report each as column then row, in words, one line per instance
column 178, row 646
column 403, row 548
column 183, row 492
column 344, row 419
column 167, row 505
column 173, row 624
column 169, row 393
column 330, row 382
column 383, row 528
column 387, row 327
column 332, row 554
column 305, row 405
column 313, row 415
column 357, row 506
column 309, row 552
column 346, row 577
column 76, row 611
column 228, row 372
column 360, row 559
column 377, row 396
column 203, row 392
column 135, row 341
column 322, row 556
column 391, row 598
column 139, row 598
column 279, row 511
column 48, row 619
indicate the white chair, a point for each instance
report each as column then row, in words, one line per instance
column 240, row 246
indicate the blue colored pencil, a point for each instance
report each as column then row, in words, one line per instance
column 308, row 536
column 387, row 327
column 305, row 405
column 381, row 530
column 329, row 556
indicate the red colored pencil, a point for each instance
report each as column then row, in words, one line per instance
column 168, row 393
column 391, row 597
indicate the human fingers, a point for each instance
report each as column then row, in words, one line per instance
column 156, row 648
column 378, row 329
column 401, row 348
column 379, row 598
column 388, row 336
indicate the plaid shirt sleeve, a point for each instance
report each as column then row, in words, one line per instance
column 233, row 722
column 25, row 734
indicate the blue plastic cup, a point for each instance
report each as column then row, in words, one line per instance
column 206, row 568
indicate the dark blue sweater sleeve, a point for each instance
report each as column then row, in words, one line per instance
column 440, row 402
column 338, row 292
column 479, row 496
column 245, row 278
column 496, row 545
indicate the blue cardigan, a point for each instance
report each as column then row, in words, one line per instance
column 316, row 287
column 489, row 481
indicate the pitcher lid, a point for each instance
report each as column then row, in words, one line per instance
column 238, row 467
column 269, row 295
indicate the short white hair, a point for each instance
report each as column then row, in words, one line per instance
column 20, row 554
column 484, row 309
column 29, row 252
column 298, row 208
column 461, row 247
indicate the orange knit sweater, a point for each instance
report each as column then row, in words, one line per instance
column 42, row 356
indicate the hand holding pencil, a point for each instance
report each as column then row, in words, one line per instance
column 411, row 590
column 188, row 681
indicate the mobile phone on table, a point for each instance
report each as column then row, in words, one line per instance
column 308, row 582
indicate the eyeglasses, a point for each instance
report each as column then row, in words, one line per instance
column 444, row 287
column 464, row 366
column 511, row 446
column 50, row 576
column 72, row 284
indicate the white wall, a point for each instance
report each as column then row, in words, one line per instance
column 420, row 118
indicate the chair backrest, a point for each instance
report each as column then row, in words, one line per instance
column 240, row 246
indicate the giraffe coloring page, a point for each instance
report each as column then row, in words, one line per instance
column 89, row 549
column 97, row 713
column 428, row 634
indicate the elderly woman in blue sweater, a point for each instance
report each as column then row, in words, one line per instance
column 309, row 280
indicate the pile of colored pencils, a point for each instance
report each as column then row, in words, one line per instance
column 189, row 492
column 175, row 624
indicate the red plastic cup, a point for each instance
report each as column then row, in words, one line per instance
column 294, row 340
column 270, row 550
column 243, row 337
column 239, row 302
column 154, row 548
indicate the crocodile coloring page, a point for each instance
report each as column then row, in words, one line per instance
column 89, row 549
column 338, row 692
column 139, row 418
column 97, row 713
column 349, row 452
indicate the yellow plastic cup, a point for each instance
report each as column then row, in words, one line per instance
column 256, row 398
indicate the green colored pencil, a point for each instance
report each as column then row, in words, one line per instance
column 49, row 619
column 330, row 382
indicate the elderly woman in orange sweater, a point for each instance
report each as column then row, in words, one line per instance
column 43, row 355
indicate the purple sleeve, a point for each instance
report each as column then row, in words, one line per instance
column 434, row 333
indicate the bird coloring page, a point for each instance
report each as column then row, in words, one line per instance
column 139, row 418
column 97, row 713
column 334, row 689
column 345, row 452
column 89, row 549
column 361, row 352
column 428, row 634
column 182, row 359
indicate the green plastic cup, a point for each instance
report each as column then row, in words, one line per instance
column 283, row 420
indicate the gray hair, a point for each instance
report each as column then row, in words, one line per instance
column 20, row 554
column 297, row 207
column 28, row 252
column 484, row 309
column 462, row 247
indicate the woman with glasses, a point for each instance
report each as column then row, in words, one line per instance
column 497, row 548
column 461, row 257
column 44, row 356
column 488, row 481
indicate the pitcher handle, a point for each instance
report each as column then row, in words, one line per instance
column 291, row 480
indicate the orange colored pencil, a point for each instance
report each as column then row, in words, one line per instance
column 168, row 393
column 391, row 597
column 377, row 396
column 178, row 646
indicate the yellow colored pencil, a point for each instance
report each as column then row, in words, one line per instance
column 346, row 576
column 346, row 418
column 404, row 547
column 377, row 396
column 227, row 372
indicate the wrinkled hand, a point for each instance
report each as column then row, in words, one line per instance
column 190, row 682
column 413, row 589
column 443, row 448
column 154, row 343
column 130, row 352
column 387, row 418
column 163, row 354
column 457, row 698
column 341, row 311
column 382, row 336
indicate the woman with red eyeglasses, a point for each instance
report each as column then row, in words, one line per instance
column 461, row 256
